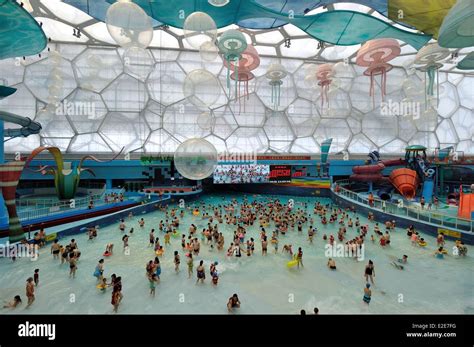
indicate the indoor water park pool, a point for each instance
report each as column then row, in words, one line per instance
column 264, row 284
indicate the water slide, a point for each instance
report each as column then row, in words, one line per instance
column 427, row 175
column 466, row 205
column 373, row 173
column 28, row 126
column 405, row 181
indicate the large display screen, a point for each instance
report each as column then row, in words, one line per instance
column 280, row 173
column 240, row 174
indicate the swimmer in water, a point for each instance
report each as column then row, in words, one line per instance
column 233, row 303
column 55, row 248
column 332, row 264
column 13, row 304
column 190, row 263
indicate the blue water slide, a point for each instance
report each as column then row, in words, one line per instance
column 28, row 126
column 428, row 188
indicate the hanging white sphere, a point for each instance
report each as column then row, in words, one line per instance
column 201, row 88
column 208, row 51
column 206, row 121
column 195, row 159
column 198, row 28
column 129, row 25
column 218, row 3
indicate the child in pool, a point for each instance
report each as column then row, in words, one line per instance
column 13, row 304
column 36, row 277
column 152, row 281
column 190, row 263
column 102, row 286
column 367, row 294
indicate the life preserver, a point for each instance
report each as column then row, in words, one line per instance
column 107, row 254
column 176, row 234
column 195, row 213
column 160, row 252
column 444, row 251
column 100, row 286
column 422, row 244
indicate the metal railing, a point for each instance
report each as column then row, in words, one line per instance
column 416, row 213
column 31, row 209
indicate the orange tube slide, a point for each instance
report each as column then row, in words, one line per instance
column 405, row 181
column 466, row 205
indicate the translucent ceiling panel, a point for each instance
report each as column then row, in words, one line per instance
column 61, row 143
column 45, row 75
column 96, row 68
column 181, row 120
column 161, row 141
column 463, row 121
column 247, row 140
column 153, row 115
column 379, row 129
column 165, row 83
column 86, row 110
column 125, row 94
column 11, row 71
column 88, row 143
column 305, row 145
column 252, row 114
column 303, row 117
column 338, row 129
column 124, row 129
column 225, row 122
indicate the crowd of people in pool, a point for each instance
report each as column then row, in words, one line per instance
column 265, row 214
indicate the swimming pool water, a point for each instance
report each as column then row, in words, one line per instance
column 264, row 283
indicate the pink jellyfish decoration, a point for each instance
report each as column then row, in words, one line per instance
column 249, row 61
column 323, row 74
column 375, row 54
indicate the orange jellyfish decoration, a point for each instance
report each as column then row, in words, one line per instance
column 374, row 55
column 323, row 74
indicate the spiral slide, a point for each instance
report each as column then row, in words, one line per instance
column 28, row 126
column 466, row 205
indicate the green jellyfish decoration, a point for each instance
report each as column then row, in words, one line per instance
column 276, row 73
column 67, row 175
column 430, row 57
column 232, row 44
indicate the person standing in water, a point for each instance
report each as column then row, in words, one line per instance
column 55, row 247
column 367, row 294
column 30, row 291
column 201, row 274
column 99, row 270
column 369, row 272
column 72, row 265
column 177, row 261
column 190, row 265
column 299, row 257
column 153, row 280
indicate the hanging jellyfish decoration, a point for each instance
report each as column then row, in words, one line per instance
column 231, row 45
column 374, row 55
column 323, row 74
column 429, row 58
column 248, row 62
column 276, row 73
